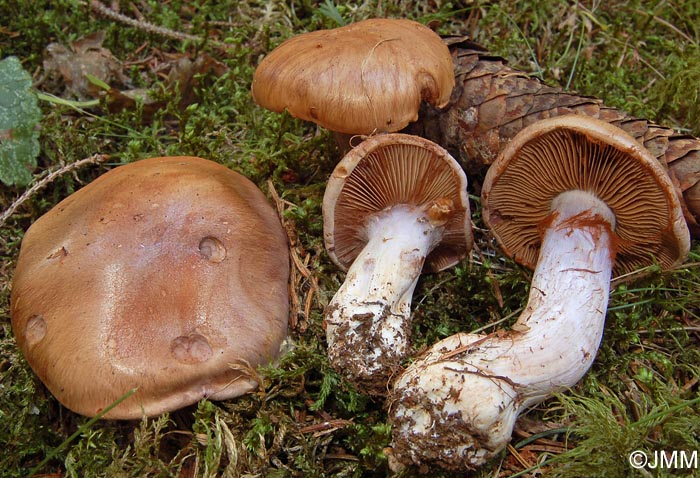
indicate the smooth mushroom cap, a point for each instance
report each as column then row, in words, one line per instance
column 576, row 152
column 366, row 77
column 168, row 275
column 387, row 170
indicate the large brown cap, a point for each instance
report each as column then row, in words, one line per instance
column 387, row 170
column 365, row 77
column 168, row 275
column 576, row 152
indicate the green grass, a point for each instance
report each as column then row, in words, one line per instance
column 640, row 56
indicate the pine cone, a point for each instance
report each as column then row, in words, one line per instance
column 492, row 102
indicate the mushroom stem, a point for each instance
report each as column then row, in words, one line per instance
column 367, row 321
column 344, row 142
column 458, row 404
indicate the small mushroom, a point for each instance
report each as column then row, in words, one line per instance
column 571, row 196
column 168, row 275
column 366, row 77
column 394, row 206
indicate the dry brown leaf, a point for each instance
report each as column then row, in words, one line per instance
column 83, row 58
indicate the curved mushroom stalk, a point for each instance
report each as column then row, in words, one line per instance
column 395, row 206
column 367, row 321
column 549, row 200
column 458, row 404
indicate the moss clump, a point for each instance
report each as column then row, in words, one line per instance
column 614, row 439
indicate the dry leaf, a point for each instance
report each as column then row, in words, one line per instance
column 85, row 57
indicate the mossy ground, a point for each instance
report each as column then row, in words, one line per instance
column 640, row 56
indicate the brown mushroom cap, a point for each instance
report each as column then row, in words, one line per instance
column 167, row 274
column 365, row 77
column 576, row 152
column 387, row 170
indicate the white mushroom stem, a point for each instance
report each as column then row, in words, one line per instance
column 368, row 319
column 458, row 404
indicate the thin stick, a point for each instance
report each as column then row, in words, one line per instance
column 104, row 10
column 97, row 158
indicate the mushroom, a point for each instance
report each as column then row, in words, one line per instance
column 578, row 199
column 394, row 206
column 362, row 78
column 168, row 275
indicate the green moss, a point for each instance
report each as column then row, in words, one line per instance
column 678, row 94
column 24, row 411
column 607, row 434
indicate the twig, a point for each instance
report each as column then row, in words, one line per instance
column 97, row 158
column 667, row 24
column 104, row 10
column 326, row 427
column 299, row 268
column 517, row 456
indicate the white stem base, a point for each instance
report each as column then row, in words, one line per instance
column 457, row 405
column 368, row 320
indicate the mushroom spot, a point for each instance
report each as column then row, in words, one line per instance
column 412, row 261
column 36, row 329
column 341, row 172
column 58, row 254
column 369, row 264
column 191, row 349
column 212, row 249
